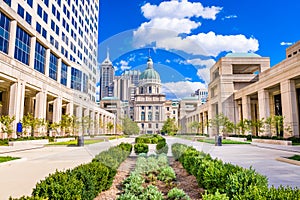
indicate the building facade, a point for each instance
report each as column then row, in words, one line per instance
column 243, row 86
column 48, row 53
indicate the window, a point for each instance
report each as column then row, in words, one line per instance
column 21, row 11
column 45, row 17
column 53, row 66
column 40, row 11
column 38, row 28
column 4, row 33
column 44, row 33
column 149, row 116
column 143, row 107
column 85, row 83
column 40, row 57
column 28, row 18
column 8, row 2
column 30, row 2
column 149, row 107
column 157, row 116
column 46, row 2
column 143, row 116
column 76, row 79
column 22, row 47
column 52, row 25
column 64, row 74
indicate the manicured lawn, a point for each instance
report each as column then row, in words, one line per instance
column 74, row 142
column 295, row 157
column 211, row 141
column 7, row 158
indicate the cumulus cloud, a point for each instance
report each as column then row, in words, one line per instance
column 124, row 65
column 286, row 43
column 229, row 17
column 182, row 88
column 179, row 9
column 200, row 62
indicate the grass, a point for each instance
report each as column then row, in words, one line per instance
column 74, row 142
column 224, row 141
column 295, row 157
column 7, row 158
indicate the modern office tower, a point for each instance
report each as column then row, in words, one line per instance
column 107, row 73
column 48, row 59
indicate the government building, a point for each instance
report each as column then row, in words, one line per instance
column 243, row 86
column 48, row 62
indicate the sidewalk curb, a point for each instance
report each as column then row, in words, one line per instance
column 18, row 150
column 276, row 148
column 289, row 161
column 13, row 161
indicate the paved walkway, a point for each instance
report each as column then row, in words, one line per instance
column 20, row 176
column 262, row 158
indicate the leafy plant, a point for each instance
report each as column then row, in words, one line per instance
column 215, row 196
column 7, row 121
column 167, row 174
column 170, row 127
column 141, row 148
column 177, row 194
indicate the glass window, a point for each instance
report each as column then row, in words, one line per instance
column 4, row 32
column 85, row 83
column 8, row 2
column 22, row 48
column 38, row 28
column 64, row 74
column 30, row 2
column 28, row 18
column 40, row 57
column 53, row 10
column 44, row 33
column 142, row 115
column 45, row 17
column 149, row 116
column 156, row 116
column 52, row 25
column 40, row 11
column 46, row 2
column 76, row 79
column 53, row 66
column 21, row 11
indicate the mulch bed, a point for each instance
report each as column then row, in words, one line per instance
column 184, row 181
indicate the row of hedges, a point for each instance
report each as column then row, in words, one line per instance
column 141, row 148
column 149, row 139
column 85, row 181
column 227, row 181
column 162, row 147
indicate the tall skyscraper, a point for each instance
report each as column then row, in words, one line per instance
column 107, row 73
column 48, row 58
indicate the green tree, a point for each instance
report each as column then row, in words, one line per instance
column 29, row 121
column 244, row 125
column 66, row 123
column 196, row 125
column 7, row 121
column 110, row 126
column 222, row 122
column 170, row 127
column 129, row 127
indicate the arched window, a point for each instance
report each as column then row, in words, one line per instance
column 142, row 90
column 143, row 116
column 150, row 90
column 149, row 116
column 157, row 90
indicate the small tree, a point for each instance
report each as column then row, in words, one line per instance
column 222, row 122
column 7, row 121
column 110, row 126
column 66, row 124
column 170, row 127
column 129, row 127
column 29, row 121
column 244, row 126
column 258, row 124
column 195, row 125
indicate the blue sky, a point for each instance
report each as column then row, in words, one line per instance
column 185, row 38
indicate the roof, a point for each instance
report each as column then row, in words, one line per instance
column 150, row 72
column 242, row 55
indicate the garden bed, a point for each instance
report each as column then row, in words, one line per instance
column 271, row 141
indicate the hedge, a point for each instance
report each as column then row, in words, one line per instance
column 162, row 147
column 227, row 181
column 141, row 148
column 149, row 139
column 85, row 181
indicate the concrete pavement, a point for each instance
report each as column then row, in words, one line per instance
column 262, row 159
column 19, row 177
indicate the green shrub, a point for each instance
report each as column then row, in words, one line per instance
column 282, row 193
column 162, row 147
column 215, row 196
column 149, row 139
column 151, row 193
column 141, row 148
column 167, row 174
column 178, row 150
column 177, row 194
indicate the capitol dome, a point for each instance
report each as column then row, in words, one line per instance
column 150, row 74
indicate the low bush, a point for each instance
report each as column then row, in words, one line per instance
column 177, row 194
column 141, row 148
column 85, row 181
column 215, row 196
column 162, row 147
column 149, row 139
column 167, row 174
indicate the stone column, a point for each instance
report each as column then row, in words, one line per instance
column 70, row 109
column 97, row 125
column 289, row 108
column 12, row 38
column 32, row 52
column 92, row 125
column 205, row 118
column 246, row 107
column 57, row 108
column 263, row 103
column 16, row 103
column 41, row 105
column 86, row 128
column 78, row 115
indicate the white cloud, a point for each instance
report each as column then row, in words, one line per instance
column 182, row 88
column 179, row 9
column 199, row 62
column 168, row 61
column 124, row 65
column 286, row 43
column 230, row 17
